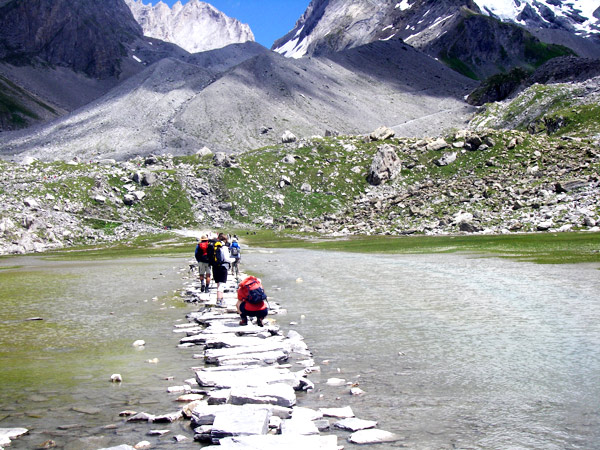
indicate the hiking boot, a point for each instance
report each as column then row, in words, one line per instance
column 220, row 303
column 202, row 288
column 259, row 322
column 243, row 322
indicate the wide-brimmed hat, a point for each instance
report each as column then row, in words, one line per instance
column 204, row 238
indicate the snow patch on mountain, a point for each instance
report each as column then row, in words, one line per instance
column 578, row 15
column 195, row 26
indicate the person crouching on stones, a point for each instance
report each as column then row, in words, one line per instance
column 251, row 301
column 223, row 261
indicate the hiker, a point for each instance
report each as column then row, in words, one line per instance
column 221, row 263
column 251, row 301
column 236, row 252
column 201, row 255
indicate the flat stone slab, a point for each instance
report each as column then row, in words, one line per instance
column 228, row 341
column 7, row 434
column 212, row 356
column 276, row 394
column 247, row 377
column 254, row 359
column 278, row 442
column 373, row 437
column 301, row 412
column 299, row 427
column 354, row 424
column 342, row 413
column 205, row 414
column 240, row 421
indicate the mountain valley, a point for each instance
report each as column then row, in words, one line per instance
column 357, row 124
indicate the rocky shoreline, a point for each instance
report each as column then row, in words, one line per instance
column 483, row 182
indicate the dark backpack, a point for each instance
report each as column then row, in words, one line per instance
column 215, row 256
column 210, row 251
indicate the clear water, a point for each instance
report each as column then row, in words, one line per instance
column 452, row 351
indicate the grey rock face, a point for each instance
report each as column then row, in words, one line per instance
column 194, row 26
column 86, row 35
column 464, row 34
column 162, row 109
column 386, row 165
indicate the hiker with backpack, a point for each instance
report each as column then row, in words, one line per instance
column 221, row 261
column 204, row 268
column 236, row 252
column 251, row 301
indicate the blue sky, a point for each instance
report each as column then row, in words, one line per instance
column 268, row 19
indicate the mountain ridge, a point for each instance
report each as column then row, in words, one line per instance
column 196, row 26
column 334, row 25
column 264, row 92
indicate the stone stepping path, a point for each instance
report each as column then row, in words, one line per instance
column 244, row 395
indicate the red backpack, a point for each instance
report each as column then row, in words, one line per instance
column 251, row 290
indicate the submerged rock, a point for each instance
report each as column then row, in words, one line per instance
column 373, row 437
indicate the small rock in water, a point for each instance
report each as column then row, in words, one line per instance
column 116, row 378
column 142, row 445
column 354, row 424
column 181, row 438
column 48, row 444
column 32, row 319
column 139, row 343
column 153, row 361
column 336, row 382
column 373, row 437
column 356, row 391
column 342, row 413
column 158, row 432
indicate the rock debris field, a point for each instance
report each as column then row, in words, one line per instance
column 244, row 391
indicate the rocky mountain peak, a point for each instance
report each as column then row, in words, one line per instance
column 195, row 26
column 476, row 37
column 87, row 36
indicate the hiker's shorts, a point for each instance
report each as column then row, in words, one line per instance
column 220, row 274
column 204, row 268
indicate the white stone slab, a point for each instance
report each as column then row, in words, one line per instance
column 301, row 412
column 248, row 377
column 261, row 358
column 342, row 413
column 212, row 356
column 299, row 427
column 240, row 421
column 204, row 414
column 6, row 434
column 228, row 340
column 278, row 442
column 354, row 424
column 276, row 394
column 373, row 437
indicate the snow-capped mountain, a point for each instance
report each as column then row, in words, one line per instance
column 340, row 24
column 579, row 16
column 476, row 37
column 195, row 26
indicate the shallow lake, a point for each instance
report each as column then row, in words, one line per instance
column 453, row 351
